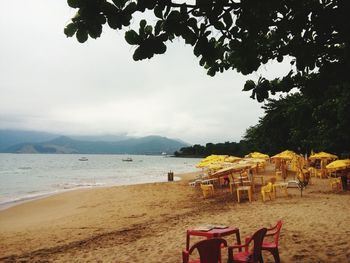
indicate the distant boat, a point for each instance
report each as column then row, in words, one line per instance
column 83, row 159
column 127, row 159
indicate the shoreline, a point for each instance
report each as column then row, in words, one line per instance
column 25, row 199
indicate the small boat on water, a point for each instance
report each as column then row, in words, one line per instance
column 127, row 159
column 83, row 159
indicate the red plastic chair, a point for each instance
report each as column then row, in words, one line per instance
column 272, row 247
column 209, row 251
column 252, row 256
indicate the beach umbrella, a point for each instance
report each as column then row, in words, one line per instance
column 253, row 160
column 339, row 165
column 217, row 159
column 232, row 159
column 210, row 159
column 257, row 155
column 285, row 155
column 323, row 156
column 233, row 168
column 218, row 165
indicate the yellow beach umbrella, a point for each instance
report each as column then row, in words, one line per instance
column 232, row 159
column 286, row 155
column 215, row 166
column 210, row 159
column 215, row 159
column 257, row 155
column 324, row 156
column 339, row 165
column 253, row 160
column 233, row 168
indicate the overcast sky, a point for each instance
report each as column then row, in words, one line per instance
column 52, row 83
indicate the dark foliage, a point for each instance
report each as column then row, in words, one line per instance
column 240, row 35
column 227, row 148
column 318, row 121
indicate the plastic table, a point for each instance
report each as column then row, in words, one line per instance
column 213, row 233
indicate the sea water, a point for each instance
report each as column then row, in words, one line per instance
column 29, row 176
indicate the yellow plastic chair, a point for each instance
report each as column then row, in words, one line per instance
column 207, row 189
column 336, row 184
column 267, row 189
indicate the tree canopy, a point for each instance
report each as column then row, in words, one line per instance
column 234, row 34
column 227, row 148
column 302, row 123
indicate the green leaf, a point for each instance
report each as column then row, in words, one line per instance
column 130, row 8
column 137, row 54
column 132, row 37
column 114, row 21
column 82, row 35
column 148, row 29
column 141, row 5
column 211, row 72
column 159, row 47
column 249, row 85
column 158, row 11
column 189, row 36
column 192, row 22
column 126, row 19
column 70, row 29
column 95, row 31
column 73, row 3
column 174, row 16
column 228, row 19
column 261, row 95
column 219, row 25
column 158, row 27
column 183, row 10
column 143, row 23
column 280, row 58
column 119, row 3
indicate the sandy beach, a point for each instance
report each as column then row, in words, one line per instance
column 147, row 223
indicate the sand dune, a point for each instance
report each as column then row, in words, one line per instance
column 148, row 223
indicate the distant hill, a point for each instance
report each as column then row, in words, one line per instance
column 12, row 137
column 120, row 145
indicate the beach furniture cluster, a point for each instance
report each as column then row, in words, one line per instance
column 259, row 173
column 210, row 249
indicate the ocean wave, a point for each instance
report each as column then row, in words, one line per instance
column 15, row 200
column 78, row 185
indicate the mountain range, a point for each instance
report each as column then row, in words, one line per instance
column 14, row 141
